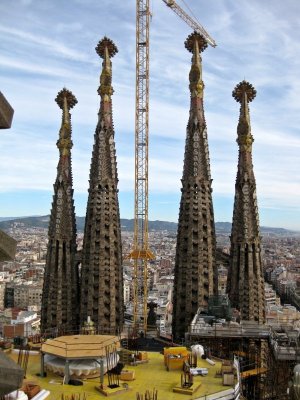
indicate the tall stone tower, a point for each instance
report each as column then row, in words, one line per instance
column 60, row 293
column 196, row 242
column 101, row 271
column 245, row 284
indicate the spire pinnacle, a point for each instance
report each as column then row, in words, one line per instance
column 244, row 93
column 106, row 43
column 68, row 96
column 195, row 43
column 106, row 49
column 192, row 38
column 65, row 100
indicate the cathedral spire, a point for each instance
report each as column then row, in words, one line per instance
column 101, row 272
column 245, row 284
column 195, row 267
column 60, row 292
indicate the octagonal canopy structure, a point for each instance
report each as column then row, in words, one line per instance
column 79, row 347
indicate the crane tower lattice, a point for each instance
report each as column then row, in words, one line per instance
column 141, row 253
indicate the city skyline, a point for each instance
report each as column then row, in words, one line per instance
column 53, row 46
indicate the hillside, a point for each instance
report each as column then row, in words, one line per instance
column 128, row 225
column 43, row 221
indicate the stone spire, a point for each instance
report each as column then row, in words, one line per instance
column 245, row 284
column 101, row 272
column 60, row 293
column 196, row 242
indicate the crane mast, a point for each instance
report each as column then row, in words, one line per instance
column 141, row 253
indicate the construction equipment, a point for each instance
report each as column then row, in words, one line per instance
column 141, row 254
column 190, row 21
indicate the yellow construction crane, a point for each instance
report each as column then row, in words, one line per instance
column 141, row 254
column 190, row 21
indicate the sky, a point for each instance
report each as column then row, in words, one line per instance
column 46, row 45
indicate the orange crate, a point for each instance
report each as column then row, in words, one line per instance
column 127, row 375
column 142, row 356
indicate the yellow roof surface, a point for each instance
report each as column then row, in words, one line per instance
column 149, row 376
column 79, row 346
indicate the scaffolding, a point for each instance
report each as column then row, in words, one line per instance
column 267, row 354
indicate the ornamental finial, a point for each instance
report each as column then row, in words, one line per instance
column 65, row 100
column 106, row 49
column 68, row 95
column 106, row 43
column 196, row 43
column 190, row 42
column 244, row 88
column 244, row 93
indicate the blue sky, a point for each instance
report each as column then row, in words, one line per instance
column 48, row 44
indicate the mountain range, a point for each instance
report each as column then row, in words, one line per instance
column 128, row 225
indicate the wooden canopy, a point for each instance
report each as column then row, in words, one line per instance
column 79, row 346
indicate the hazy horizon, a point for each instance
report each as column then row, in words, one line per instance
column 150, row 220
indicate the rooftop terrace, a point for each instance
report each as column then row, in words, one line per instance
column 147, row 377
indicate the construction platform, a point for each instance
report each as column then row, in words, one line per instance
column 146, row 377
column 249, row 329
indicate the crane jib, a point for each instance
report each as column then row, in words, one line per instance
column 190, row 21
